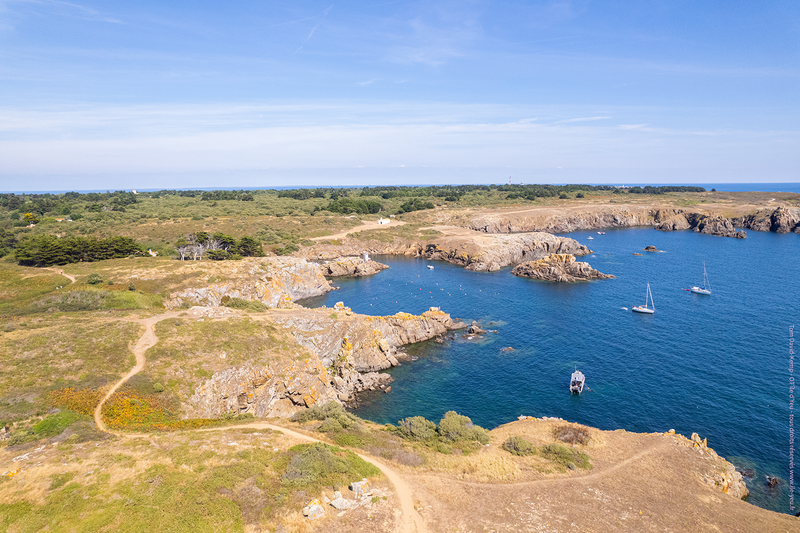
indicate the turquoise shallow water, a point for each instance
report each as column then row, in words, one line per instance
column 713, row 365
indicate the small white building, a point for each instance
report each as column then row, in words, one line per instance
column 383, row 221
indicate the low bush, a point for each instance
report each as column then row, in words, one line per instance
column 565, row 457
column 94, row 279
column 572, row 434
column 320, row 464
column 455, row 427
column 417, row 428
column 517, row 445
column 252, row 306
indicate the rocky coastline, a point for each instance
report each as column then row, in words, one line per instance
column 779, row 220
column 345, row 349
column 273, row 281
column 354, row 267
column 561, row 268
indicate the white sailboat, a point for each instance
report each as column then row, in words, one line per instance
column 706, row 288
column 644, row 308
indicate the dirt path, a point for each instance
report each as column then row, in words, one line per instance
column 411, row 520
column 147, row 340
column 365, row 226
column 62, row 273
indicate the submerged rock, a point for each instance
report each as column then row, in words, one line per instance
column 560, row 268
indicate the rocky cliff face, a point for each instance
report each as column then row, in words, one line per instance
column 352, row 267
column 274, row 281
column 571, row 219
column 558, row 267
column 714, row 225
column 345, row 350
column 492, row 254
column 780, row 220
column 665, row 219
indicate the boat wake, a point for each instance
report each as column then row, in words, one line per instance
column 624, row 308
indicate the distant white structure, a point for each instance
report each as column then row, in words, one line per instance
column 366, row 258
column 134, row 191
column 151, row 252
column 383, row 221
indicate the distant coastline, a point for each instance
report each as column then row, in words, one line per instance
column 729, row 187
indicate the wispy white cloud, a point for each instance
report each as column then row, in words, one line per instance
column 70, row 9
column 215, row 138
column 581, row 119
column 324, row 15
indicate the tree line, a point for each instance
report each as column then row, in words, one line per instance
column 48, row 250
column 217, row 247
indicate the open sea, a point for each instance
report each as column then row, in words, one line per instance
column 717, row 365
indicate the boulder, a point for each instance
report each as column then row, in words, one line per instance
column 651, row 248
column 475, row 329
column 313, row 510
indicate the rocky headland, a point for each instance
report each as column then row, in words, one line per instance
column 568, row 219
column 351, row 267
column 560, row 268
column 780, row 220
column 477, row 252
column 274, row 281
column 345, row 351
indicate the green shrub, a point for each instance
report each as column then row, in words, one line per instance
column 517, row 445
column 94, row 279
column 579, row 195
column 321, row 464
column 563, row 196
column 238, row 303
column 417, row 428
column 330, row 425
column 158, row 387
column 330, row 410
column 455, row 427
column 565, row 457
column 131, row 286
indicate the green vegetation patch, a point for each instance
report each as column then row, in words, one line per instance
column 320, row 465
column 454, row 432
column 61, row 353
column 50, row 426
column 562, row 457
column 517, row 445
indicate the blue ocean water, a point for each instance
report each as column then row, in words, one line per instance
column 716, row 365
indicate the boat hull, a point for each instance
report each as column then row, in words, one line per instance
column 643, row 310
column 698, row 290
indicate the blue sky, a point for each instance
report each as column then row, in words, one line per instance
column 203, row 94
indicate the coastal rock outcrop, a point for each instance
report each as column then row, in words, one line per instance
column 491, row 253
column 714, row 225
column 780, row 220
column 345, row 351
column 274, row 281
column 560, row 268
column 570, row 219
column 352, row 267
column 372, row 340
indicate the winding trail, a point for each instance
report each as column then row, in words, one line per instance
column 365, row 226
column 62, row 273
column 411, row 521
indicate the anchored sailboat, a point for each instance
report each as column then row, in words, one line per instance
column 644, row 308
column 706, row 288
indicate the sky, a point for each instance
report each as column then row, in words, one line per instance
column 145, row 94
